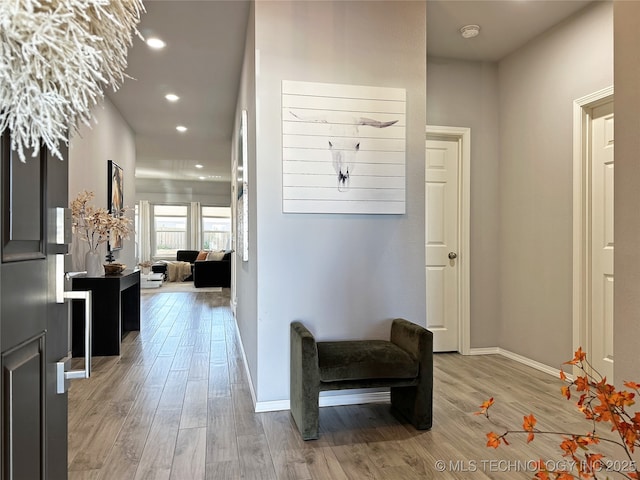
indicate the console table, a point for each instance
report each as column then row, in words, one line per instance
column 116, row 310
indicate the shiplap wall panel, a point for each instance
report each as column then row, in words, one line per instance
column 329, row 206
column 365, row 169
column 327, row 130
column 380, row 113
column 336, row 90
column 328, row 181
column 326, row 135
column 319, row 155
column 321, row 142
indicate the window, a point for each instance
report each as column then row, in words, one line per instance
column 216, row 228
column 187, row 227
column 170, row 227
column 136, row 229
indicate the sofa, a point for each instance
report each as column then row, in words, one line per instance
column 204, row 272
column 213, row 273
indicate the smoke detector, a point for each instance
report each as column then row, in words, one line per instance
column 470, row 31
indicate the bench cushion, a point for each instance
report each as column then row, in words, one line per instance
column 364, row 359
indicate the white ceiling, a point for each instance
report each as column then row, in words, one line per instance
column 203, row 57
column 201, row 63
column 505, row 25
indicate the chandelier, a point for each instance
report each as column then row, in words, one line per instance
column 56, row 59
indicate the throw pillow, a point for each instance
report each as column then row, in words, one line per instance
column 201, row 256
column 215, row 255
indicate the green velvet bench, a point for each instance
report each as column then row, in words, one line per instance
column 404, row 363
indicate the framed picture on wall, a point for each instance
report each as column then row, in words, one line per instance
column 115, row 199
column 343, row 148
column 242, row 186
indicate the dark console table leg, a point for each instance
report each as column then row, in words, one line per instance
column 116, row 309
column 131, row 308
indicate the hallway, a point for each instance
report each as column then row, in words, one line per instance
column 176, row 405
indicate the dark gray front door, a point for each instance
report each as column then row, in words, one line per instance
column 33, row 327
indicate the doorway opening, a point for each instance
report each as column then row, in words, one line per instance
column 447, row 236
column 593, row 243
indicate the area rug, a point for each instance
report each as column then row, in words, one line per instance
column 173, row 287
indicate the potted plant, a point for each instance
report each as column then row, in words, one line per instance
column 94, row 226
column 145, row 266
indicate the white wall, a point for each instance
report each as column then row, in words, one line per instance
column 345, row 276
column 110, row 139
column 627, row 194
column 183, row 191
column 538, row 84
column 245, row 293
column 465, row 94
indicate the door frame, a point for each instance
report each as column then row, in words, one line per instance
column 582, row 151
column 463, row 136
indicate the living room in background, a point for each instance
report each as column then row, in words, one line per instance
column 170, row 230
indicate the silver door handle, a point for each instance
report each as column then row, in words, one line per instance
column 62, row 374
column 453, row 255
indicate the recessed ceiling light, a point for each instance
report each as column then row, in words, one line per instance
column 199, row 166
column 470, row 31
column 155, row 43
column 181, row 128
column 202, row 178
column 172, row 97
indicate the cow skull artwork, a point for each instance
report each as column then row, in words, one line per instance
column 344, row 142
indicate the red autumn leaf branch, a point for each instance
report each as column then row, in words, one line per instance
column 599, row 402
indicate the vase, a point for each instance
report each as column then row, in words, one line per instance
column 93, row 264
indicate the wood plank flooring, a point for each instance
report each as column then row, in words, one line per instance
column 176, row 405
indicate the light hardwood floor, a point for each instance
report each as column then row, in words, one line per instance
column 176, row 405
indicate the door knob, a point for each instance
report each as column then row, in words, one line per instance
column 453, row 255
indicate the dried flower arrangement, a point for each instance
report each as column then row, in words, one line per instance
column 56, row 57
column 145, row 266
column 94, row 225
column 599, row 402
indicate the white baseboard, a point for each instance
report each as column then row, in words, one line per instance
column 233, row 303
column 518, row 358
column 335, row 399
column 272, row 406
column 329, row 399
column 484, row 351
column 531, row 363
column 246, row 364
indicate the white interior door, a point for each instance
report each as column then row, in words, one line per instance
column 441, row 248
column 601, row 324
